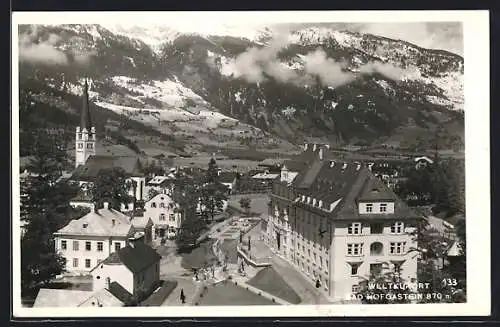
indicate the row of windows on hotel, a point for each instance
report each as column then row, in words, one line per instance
column 88, row 246
column 307, row 217
column 375, row 268
column 356, row 249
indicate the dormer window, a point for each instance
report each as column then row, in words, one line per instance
column 397, row 227
column 354, row 229
column 369, row 207
column 383, row 207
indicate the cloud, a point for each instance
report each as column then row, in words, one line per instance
column 256, row 65
column 387, row 70
column 35, row 48
column 330, row 72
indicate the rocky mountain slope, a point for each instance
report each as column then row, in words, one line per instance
column 261, row 89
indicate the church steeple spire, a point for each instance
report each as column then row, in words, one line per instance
column 85, row 119
column 85, row 138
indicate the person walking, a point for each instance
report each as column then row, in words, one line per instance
column 183, row 297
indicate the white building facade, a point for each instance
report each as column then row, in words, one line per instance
column 338, row 224
column 87, row 241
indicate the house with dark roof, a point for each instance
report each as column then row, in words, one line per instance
column 337, row 223
column 86, row 241
column 136, row 268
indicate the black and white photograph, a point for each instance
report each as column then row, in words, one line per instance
column 250, row 163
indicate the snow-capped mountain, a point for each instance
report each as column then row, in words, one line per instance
column 314, row 82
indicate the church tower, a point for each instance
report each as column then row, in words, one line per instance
column 85, row 133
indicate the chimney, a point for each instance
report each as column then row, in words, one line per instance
column 321, row 154
column 306, row 146
column 106, row 205
column 108, row 281
column 314, row 147
column 344, row 166
column 131, row 241
column 332, row 163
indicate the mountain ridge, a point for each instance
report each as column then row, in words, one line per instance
column 370, row 108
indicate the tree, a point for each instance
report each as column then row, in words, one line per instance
column 111, row 185
column 189, row 232
column 213, row 193
column 45, row 208
column 186, row 195
column 245, row 204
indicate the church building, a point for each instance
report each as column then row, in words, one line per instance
column 88, row 162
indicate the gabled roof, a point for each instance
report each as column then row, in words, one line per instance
column 226, row 177
column 141, row 221
column 136, row 258
column 61, row 298
column 99, row 223
column 120, row 292
column 89, row 171
column 102, row 298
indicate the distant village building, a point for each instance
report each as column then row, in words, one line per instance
column 227, row 179
column 337, row 223
column 86, row 241
column 135, row 267
column 161, row 209
column 421, row 162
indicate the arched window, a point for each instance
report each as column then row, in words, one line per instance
column 376, row 248
column 162, row 205
column 153, row 205
column 162, row 216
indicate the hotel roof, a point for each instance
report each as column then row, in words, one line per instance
column 89, row 171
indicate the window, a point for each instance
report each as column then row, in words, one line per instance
column 375, row 268
column 89, row 145
column 369, row 207
column 64, row 245
column 88, row 246
column 383, row 207
column 162, row 205
column 80, row 145
column 354, row 229
column 397, row 228
column 397, row 267
column 397, row 247
column 99, row 247
column 153, row 204
column 171, row 217
column 162, row 217
column 354, row 268
column 355, row 249
column 117, row 246
column 376, row 228
column 376, row 248
column 75, row 246
column 87, row 263
column 75, row 262
column 355, row 289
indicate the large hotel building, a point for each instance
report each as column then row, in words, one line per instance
column 337, row 223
